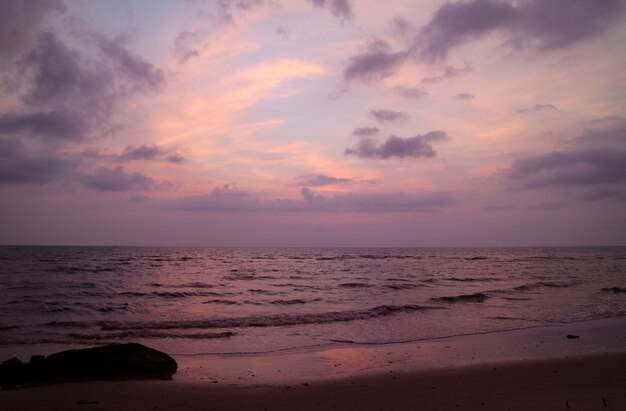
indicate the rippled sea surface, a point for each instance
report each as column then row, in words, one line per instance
column 233, row 300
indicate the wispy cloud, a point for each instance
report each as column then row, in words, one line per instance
column 365, row 131
column 538, row 107
column 318, row 180
column 108, row 179
column 464, row 96
column 388, row 116
column 151, row 152
column 338, row 8
column 229, row 198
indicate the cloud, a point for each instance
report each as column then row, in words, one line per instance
column 150, row 152
column 375, row 202
column 224, row 198
column 388, row 116
column 464, row 96
column 539, row 25
column 318, row 180
column 72, row 94
column 225, row 10
column 21, row 166
column 571, row 168
column 375, row 63
column 20, row 22
column 108, row 179
column 456, row 23
column 592, row 162
column 365, row 131
column 537, row 107
column 53, row 124
column 448, row 72
column 419, row 146
column 79, row 82
column 281, row 31
column 411, row 92
column 229, row 198
column 604, row 194
column 338, row 8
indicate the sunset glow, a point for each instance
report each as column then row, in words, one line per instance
column 313, row 123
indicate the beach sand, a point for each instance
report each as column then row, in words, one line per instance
column 536, row 368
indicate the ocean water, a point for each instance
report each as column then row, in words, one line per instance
column 252, row 300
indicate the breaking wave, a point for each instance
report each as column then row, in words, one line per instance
column 278, row 320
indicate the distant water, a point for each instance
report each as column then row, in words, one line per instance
column 236, row 300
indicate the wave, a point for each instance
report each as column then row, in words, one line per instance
column 278, row 320
column 70, row 324
column 355, row 285
column 538, row 284
column 221, row 301
column 113, row 308
column 473, row 280
column 402, row 286
column 293, row 302
column 614, row 290
column 263, row 292
column 474, row 298
column 170, row 294
column 130, row 334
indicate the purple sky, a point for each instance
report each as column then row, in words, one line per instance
column 313, row 122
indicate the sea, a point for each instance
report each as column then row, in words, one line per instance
column 188, row 301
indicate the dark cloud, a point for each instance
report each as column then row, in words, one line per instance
column 593, row 163
column 604, row 194
column 21, row 166
column 538, row 107
column 448, row 72
column 540, row 24
column 79, row 82
column 54, row 124
column 388, row 116
column 109, row 179
column 377, row 62
column 365, row 131
column 132, row 74
column 464, row 96
column 338, row 8
column 414, row 92
column 71, row 91
column 456, row 23
column 151, row 152
column 20, row 22
column 419, row 146
column 229, row 198
column 318, row 180
column 573, row 168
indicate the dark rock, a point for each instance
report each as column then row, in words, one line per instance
column 106, row 362
column 572, row 336
column 12, row 373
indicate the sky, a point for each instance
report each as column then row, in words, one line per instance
column 313, row 122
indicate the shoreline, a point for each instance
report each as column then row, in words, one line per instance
column 343, row 360
column 534, row 368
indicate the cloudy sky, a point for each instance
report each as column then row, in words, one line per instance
column 313, row 122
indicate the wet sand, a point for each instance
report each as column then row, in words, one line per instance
column 537, row 368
